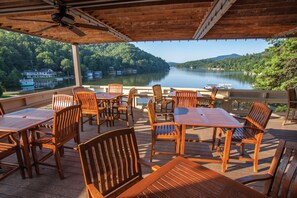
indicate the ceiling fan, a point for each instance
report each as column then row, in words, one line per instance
column 64, row 20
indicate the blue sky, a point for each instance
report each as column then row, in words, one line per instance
column 182, row 51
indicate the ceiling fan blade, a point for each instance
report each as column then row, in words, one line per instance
column 91, row 26
column 33, row 20
column 76, row 31
column 52, row 26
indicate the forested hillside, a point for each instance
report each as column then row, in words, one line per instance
column 21, row 52
column 237, row 63
column 276, row 68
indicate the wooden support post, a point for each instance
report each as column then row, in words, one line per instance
column 76, row 62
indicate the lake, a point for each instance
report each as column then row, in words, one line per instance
column 182, row 78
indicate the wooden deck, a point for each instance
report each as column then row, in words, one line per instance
column 48, row 184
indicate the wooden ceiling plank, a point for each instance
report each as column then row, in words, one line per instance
column 217, row 11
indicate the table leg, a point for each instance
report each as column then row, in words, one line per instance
column 227, row 148
column 183, row 139
column 26, row 153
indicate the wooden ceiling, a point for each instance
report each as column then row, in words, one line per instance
column 154, row 20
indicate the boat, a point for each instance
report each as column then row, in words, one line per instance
column 219, row 86
column 27, row 82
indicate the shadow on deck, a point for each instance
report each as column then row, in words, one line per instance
column 48, row 183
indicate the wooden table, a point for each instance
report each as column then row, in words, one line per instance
column 108, row 98
column 183, row 178
column 207, row 117
column 20, row 122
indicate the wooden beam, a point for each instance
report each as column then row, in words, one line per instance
column 76, row 62
column 213, row 16
column 90, row 19
column 287, row 33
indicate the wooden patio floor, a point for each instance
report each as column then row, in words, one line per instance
column 48, row 183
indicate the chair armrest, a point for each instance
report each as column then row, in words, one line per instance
column 148, row 164
column 253, row 178
column 4, row 134
column 94, row 191
column 42, row 132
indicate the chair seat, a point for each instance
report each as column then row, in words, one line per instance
column 165, row 130
column 120, row 106
column 6, row 149
column 48, row 124
column 242, row 135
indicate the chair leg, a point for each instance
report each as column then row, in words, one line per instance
column 256, row 156
column 98, row 123
column 242, row 149
column 127, row 118
column 20, row 161
column 82, row 123
column 219, row 139
column 286, row 118
column 214, row 138
column 35, row 159
column 153, row 149
column 58, row 163
column 177, row 146
column 132, row 114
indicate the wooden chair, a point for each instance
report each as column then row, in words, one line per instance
column 166, row 131
column 162, row 101
column 124, row 108
column 90, row 108
column 208, row 101
column 251, row 132
column 281, row 179
column 2, row 111
column 186, row 99
column 110, row 163
column 59, row 102
column 77, row 89
column 115, row 88
column 65, row 128
column 7, row 149
column 292, row 103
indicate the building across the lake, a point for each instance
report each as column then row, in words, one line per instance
column 43, row 73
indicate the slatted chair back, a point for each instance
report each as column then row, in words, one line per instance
column 213, row 94
column 151, row 113
column 258, row 117
column 157, row 91
column 60, row 101
column 109, row 162
column 77, row 89
column 284, row 171
column 292, row 98
column 66, row 124
column 115, row 88
column 88, row 102
column 186, row 99
column 130, row 97
column 2, row 112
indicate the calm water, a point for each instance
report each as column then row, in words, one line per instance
column 181, row 78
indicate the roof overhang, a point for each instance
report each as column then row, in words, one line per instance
column 155, row 20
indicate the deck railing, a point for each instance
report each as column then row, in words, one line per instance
column 232, row 100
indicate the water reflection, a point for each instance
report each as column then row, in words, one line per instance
column 131, row 80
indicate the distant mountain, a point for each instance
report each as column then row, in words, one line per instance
column 224, row 57
column 172, row 64
column 226, row 62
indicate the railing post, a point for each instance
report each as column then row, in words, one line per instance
column 76, row 62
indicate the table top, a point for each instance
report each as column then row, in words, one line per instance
column 107, row 96
column 208, row 117
column 183, row 178
column 173, row 93
column 33, row 113
column 24, row 119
